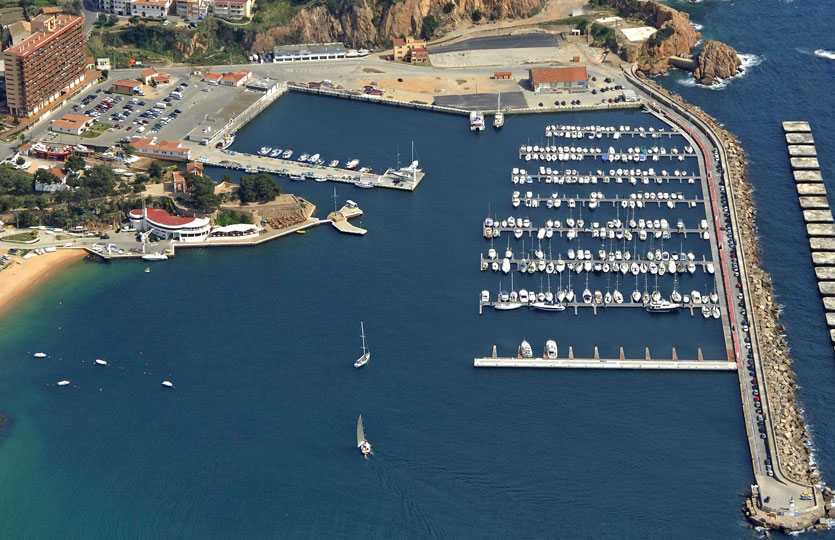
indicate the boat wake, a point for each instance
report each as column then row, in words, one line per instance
column 823, row 53
column 748, row 61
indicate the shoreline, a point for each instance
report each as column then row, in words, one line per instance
column 21, row 277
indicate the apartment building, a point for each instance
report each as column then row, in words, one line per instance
column 233, row 9
column 47, row 65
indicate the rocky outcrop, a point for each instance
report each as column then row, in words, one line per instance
column 716, row 61
column 377, row 22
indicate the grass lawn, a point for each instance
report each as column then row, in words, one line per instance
column 21, row 237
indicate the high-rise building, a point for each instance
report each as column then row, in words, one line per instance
column 46, row 65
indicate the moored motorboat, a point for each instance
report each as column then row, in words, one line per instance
column 551, row 349
column 525, row 350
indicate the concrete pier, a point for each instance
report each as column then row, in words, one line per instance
column 816, row 211
column 596, row 362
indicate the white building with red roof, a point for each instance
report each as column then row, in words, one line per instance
column 162, row 223
column 163, row 149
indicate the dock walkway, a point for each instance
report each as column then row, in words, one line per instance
column 597, row 362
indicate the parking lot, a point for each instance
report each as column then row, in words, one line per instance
column 165, row 112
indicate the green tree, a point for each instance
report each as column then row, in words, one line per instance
column 45, row 177
column 101, row 20
column 134, row 19
column 449, row 7
column 99, row 181
column 26, row 219
column 155, row 170
column 74, row 163
column 430, row 25
column 477, row 15
column 129, row 150
column 202, row 191
column 258, row 188
column 113, row 20
column 20, row 160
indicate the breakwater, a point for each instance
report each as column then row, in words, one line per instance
column 789, row 443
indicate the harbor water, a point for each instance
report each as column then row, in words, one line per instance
column 256, row 440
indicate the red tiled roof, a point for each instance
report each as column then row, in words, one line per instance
column 161, row 217
column 559, row 74
column 126, row 83
column 148, row 72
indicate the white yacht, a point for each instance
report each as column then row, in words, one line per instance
column 498, row 118
column 525, row 350
column 155, row 257
column 101, row 362
column 362, row 442
column 551, row 349
column 63, row 383
column 168, row 384
column 476, row 121
column 366, row 354
column 39, row 355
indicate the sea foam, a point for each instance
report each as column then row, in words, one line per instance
column 748, row 61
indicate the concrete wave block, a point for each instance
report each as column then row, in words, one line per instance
column 827, row 287
column 796, row 125
column 805, row 163
column 829, row 303
column 819, row 216
column 803, row 150
column 807, row 176
column 825, row 272
column 799, row 138
column 830, row 319
column 820, row 229
column 811, row 189
column 823, row 258
column 825, row 244
column 813, row 202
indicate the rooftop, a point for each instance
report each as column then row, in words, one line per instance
column 162, row 217
column 144, row 143
column 72, row 121
column 59, row 24
column 308, row 48
column 129, row 83
column 559, row 74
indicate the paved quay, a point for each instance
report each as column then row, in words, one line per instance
column 775, row 500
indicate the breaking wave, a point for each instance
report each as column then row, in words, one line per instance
column 748, row 61
column 823, row 53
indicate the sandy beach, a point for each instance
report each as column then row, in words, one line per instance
column 18, row 279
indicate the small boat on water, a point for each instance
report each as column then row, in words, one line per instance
column 498, row 118
column 662, row 306
column 353, row 164
column 226, row 141
column 525, row 350
column 276, row 152
column 39, row 355
column 362, row 442
column 168, row 384
column 334, row 163
column 63, row 383
column 265, row 150
column 101, row 362
column 155, row 257
column 476, row 121
column 366, row 354
column 304, row 157
column 147, row 269
column 287, row 154
column 551, row 349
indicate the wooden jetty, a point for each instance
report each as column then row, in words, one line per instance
column 811, row 195
column 596, row 362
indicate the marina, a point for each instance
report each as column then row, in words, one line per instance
column 616, row 176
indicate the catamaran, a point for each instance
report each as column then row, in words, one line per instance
column 362, row 443
column 366, row 354
column 476, row 121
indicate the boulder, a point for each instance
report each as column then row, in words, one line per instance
column 716, row 61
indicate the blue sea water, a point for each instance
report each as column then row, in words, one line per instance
column 257, row 440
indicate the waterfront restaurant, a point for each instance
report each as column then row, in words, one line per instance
column 161, row 223
column 560, row 79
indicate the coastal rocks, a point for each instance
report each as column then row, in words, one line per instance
column 675, row 35
column 377, row 22
column 716, row 61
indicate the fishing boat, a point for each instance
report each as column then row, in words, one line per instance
column 101, row 362
column 525, row 350
column 476, row 121
column 498, row 118
column 226, row 141
column 155, row 257
column 168, row 384
column 353, row 164
column 366, row 354
column 362, row 443
column 39, row 355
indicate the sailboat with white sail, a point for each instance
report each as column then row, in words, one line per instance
column 366, row 354
column 362, row 443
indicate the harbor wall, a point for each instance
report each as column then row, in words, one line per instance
column 790, row 444
column 460, row 111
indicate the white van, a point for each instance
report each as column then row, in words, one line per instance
column 160, row 105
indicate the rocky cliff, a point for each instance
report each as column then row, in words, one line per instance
column 716, row 61
column 371, row 23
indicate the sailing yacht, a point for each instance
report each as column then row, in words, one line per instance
column 366, row 354
column 362, row 443
column 498, row 118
